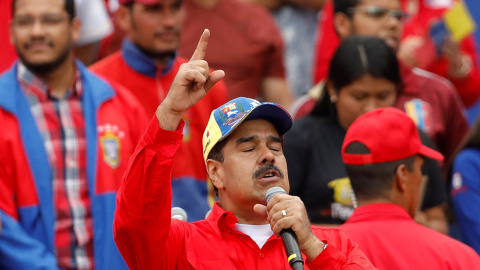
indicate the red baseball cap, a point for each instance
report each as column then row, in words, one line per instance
column 145, row 2
column 389, row 134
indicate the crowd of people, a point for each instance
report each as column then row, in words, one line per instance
column 115, row 111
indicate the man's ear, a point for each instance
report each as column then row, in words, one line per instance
column 214, row 170
column 401, row 178
column 343, row 25
column 123, row 16
column 330, row 89
column 76, row 28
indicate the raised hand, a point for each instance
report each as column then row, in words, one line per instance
column 191, row 84
column 460, row 64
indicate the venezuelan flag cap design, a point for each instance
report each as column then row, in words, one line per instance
column 224, row 119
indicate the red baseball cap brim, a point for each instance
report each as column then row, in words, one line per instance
column 430, row 153
column 389, row 134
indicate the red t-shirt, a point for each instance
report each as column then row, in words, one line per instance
column 245, row 43
column 431, row 101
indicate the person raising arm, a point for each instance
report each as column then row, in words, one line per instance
column 242, row 147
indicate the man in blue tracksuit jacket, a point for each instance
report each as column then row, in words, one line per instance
column 90, row 154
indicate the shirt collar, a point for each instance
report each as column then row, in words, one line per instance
column 221, row 220
column 140, row 62
column 34, row 85
column 379, row 211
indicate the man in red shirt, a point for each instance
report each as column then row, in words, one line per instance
column 242, row 147
column 146, row 64
column 383, row 156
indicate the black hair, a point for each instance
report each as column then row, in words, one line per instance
column 129, row 5
column 355, row 57
column 375, row 180
column 69, row 7
column 217, row 151
column 344, row 5
column 217, row 154
column 471, row 140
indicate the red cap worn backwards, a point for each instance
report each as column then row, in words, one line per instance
column 389, row 134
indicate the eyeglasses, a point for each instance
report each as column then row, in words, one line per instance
column 380, row 12
column 47, row 20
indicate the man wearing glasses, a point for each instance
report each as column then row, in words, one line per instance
column 365, row 19
column 65, row 142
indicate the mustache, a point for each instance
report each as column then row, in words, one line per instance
column 266, row 168
column 31, row 42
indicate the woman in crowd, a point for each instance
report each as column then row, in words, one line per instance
column 364, row 75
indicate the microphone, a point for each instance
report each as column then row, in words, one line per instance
column 294, row 255
column 179, row 213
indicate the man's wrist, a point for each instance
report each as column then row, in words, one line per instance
column 168, row 119
column 310, row 259
column 313, row 248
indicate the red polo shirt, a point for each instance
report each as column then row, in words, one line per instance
column 391, row 239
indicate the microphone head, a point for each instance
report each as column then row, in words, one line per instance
column 179, row 213
column 272, row 191
column 208, row 213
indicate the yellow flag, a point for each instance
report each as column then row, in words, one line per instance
column 459, row 21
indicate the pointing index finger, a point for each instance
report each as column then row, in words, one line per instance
column 201, row 49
